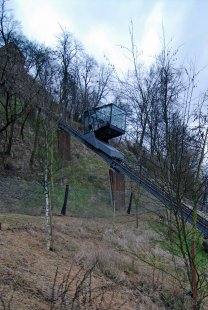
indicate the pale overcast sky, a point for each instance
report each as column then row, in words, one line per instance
column 103, row 25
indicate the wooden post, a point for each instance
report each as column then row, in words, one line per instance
column 63, row 210
column 130, row 203
column 112, row 195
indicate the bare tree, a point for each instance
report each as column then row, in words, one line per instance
column 8, row 25
column 67, row 53
column 94, row 82
column 167, row 150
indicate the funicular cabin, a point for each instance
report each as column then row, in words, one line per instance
column 102, row 124
column 106, row 122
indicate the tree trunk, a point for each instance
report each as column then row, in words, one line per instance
column 10, row 142
column 37, row 129
column 193, row 272
column 23, row 126
column 11, row 134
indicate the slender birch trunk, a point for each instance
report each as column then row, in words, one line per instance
column 48, row 213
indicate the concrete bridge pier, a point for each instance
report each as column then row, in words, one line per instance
column 117, row 184
column 64, row 145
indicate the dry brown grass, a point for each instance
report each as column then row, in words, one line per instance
column 27, row 270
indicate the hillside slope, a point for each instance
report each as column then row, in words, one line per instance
column 103, row 261
column 27, row 270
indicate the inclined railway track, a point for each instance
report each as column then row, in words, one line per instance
column 186, row 212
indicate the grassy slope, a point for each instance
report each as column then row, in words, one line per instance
column 27, row 270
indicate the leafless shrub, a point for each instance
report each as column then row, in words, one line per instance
column 77, row 291
column 143, row 248
column 110, row 263
column 72, row 228
column 5, row 303
column 130, row 237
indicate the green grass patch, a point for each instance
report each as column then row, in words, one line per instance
column 83, row 202
column 14, row 218
column 170, row 242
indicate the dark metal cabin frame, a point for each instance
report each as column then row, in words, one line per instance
column 108, row 129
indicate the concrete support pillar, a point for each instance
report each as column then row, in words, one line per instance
column 64, row 145
column 117, row 181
